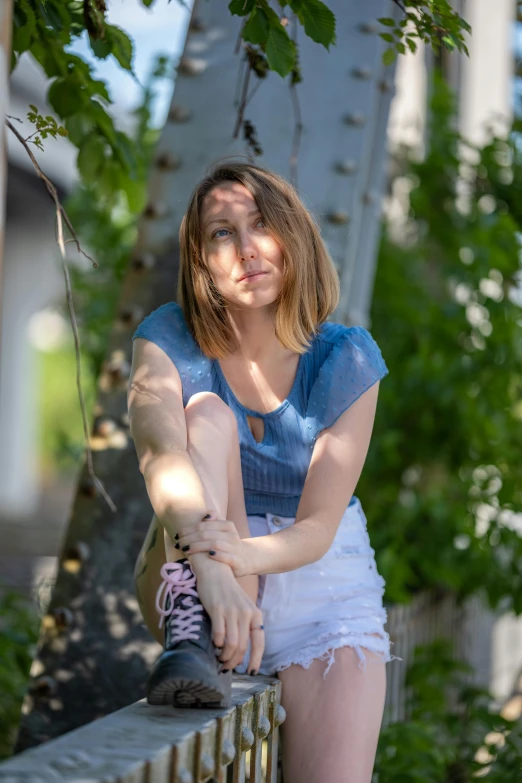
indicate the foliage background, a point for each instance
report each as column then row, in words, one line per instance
column 443, row 472
column 444, row 476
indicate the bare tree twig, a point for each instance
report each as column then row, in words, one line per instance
column 61, row 216
column 239, row 79
column 253, row 91
column 238, row 42
column 298, row 121
column 297, row 135
column 398, row 2
column 241, row 109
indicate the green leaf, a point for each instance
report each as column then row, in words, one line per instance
column 241, row 7
column 387, row 21
column 91, row 158
column 147, row 3
column 387, row 37
column 389, row 56
column 257, row 27
column 122, row 47
column 65, row 97
column 101, row 48
column 280, row 50
column 412, row 45
column 318, row 22
column 136, row 192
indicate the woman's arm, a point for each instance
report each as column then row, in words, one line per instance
column 337, row 462
column 158, row 427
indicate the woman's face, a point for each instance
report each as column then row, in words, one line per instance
column 235, row 244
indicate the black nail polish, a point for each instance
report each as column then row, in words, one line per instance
column 219, row 659
column 224, row 671
column 253, row 672
column 185, row 548
column 207, row 516
column 176, row 546
column 176, row 536
column 212, row 552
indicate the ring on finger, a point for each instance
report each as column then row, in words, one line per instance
column 257, row 627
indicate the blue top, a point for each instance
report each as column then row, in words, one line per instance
column 341, row 363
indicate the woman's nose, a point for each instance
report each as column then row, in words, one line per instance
column 246, row 247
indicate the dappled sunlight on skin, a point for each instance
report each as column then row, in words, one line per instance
column 239, row 243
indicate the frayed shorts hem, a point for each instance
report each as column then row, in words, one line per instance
column 335, row 602
column 326, row 652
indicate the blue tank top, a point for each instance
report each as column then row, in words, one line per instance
column 341, row 363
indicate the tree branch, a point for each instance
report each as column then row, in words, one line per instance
column 61, row 216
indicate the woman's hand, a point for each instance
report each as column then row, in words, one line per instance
column 220, row 540
column 234, row 616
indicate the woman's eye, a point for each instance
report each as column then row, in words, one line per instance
column 261, row 221
column 217, row 232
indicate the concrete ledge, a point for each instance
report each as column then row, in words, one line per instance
column 145, row 744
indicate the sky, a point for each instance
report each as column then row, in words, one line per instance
column 158, row 29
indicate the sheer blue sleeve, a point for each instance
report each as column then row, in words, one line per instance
column 354, row 364
column 167, row 328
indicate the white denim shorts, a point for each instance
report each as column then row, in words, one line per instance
column 335, row 602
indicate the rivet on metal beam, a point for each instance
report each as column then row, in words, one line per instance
column 104, row 426
column 192, row 66
column 354, row 118
column 362, row 72
column 63, row 617
column 279, row 715
column 166, row 161
column 228, row 752
column 196, row 25
column 44, row 686
column 247, row 738
column 263, row 727
column 131, row 316
column 156, row 210
column 74, row 557
column 369, row 27
column 346, row 167
column 88, row 488
column 178, row 113
column 338, row 218
column 386, row 85
column 206, row 765
column 144, row 262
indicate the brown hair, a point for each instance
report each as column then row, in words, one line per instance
column 310, row 290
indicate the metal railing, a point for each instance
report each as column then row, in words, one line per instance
column 145, row 744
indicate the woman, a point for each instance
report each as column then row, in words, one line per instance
column 252, row 416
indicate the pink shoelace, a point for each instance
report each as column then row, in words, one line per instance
column 179, row 580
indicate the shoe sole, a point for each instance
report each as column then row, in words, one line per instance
column 182, row 690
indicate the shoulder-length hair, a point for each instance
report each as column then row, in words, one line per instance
column 310, row 290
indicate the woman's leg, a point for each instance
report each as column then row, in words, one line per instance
column 332, row 725
column 213, row 446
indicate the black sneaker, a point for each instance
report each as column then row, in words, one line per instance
column 186, row 673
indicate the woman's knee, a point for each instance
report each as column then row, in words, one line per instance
column 212, row 408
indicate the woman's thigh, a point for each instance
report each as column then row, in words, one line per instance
column 332, row 725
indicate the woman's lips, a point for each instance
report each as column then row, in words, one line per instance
column 249, row 278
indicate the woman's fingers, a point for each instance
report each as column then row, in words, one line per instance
column 223, row 525
column 231, row 640
column 209, row 535
column 239, row 629
column 257, row 642
column 218, row 629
